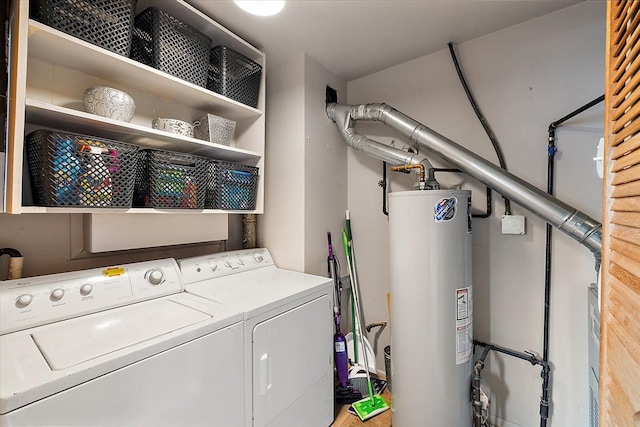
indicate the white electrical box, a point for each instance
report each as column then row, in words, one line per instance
column 513, row 224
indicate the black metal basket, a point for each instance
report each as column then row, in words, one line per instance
column 234, row 75
column 165, row 179
column 168, row 44
column 81, row 171
column 105, row 23
column 231, row 186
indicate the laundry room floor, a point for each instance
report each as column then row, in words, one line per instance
column 345, row 419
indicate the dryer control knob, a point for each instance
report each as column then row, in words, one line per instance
column 240, row 261
column 155, row 276
column 24, row 300
column 258, row 257
column 228, row 264
column 86, row 289
column 213, row 266
column 56, row 294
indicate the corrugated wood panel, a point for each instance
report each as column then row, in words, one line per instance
column 627, row 204
column 629, row 189
column 626, row 147
column 627, row 234
column 626, row 175
column 617, row 87
column 630, row 113
column 620, row 322
column 632, row 219
column 623, row 61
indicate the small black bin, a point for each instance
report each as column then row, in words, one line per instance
column 104, row 23
column 234, row 75
column 231, row 186
column 165, row 179
column 81, row 171
column 168, row 44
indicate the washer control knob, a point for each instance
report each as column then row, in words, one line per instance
column 86, row 289
column 213, row 266
column 258, row 257
column 56, row 294
column 227, row 264
column 24, row 300
column 240, row 261
column 155, row 276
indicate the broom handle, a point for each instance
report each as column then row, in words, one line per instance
column 356, row 296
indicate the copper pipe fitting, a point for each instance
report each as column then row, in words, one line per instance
column 407, row 168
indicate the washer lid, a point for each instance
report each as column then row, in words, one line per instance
column 39, row 362
column 67, row 344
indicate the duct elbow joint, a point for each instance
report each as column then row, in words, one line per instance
column 330, row 110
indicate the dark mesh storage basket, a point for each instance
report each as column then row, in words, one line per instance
column 232, row 186
column 165, row 179
column 105, row 23
column 168, row 44
column 82, row 171
column 234, row 75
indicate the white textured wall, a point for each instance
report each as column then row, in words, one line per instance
column 306, row 167
column 325, row 186
column 52, row 243
column 523, row 77
column 281, row 227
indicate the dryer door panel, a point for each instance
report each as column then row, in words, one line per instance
column 293, row 367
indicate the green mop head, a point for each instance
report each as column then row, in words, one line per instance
column 370, row 407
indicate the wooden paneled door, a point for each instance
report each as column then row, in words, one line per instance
column 620, row 341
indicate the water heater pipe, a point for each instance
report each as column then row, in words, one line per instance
column 377, row 149
column 567, row 219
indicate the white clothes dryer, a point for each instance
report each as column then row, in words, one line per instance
column 288, row 334
column 118, row 346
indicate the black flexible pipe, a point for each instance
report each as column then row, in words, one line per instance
column 383, row 184
column 483, row 121
column 14, row 253
column 551, row 152
column 531, row 358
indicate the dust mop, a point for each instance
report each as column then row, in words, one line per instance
column 374, row 404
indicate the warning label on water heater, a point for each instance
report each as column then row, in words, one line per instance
column 464, row 325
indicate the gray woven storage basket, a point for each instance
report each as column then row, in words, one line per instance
column 214, row 129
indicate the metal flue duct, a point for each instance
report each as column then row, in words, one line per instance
column 569, row 220
column 342, row 117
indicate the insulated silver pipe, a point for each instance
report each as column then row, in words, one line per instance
column 393, row 156
column 567, row 219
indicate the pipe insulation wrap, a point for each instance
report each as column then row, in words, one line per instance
column 571, row 221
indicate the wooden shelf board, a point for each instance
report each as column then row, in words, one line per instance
column 68, row 210
column 44, row 114
column 57, row 47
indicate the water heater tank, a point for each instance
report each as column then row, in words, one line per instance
column 431, row 308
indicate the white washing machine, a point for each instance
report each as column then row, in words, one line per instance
column 118, row 346
column 288, row 334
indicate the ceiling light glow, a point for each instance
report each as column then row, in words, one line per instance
column 261, row 7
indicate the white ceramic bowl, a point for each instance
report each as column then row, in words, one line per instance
column 173, row 126
column 109, row 102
